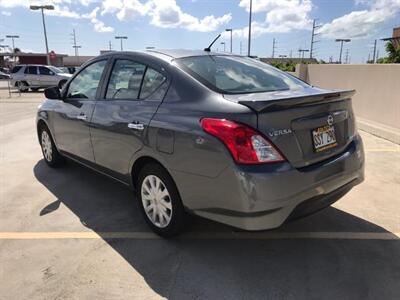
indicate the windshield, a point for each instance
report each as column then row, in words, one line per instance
column 55, row 70
column 237, row 75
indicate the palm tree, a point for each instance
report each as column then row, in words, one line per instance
column 394, row 53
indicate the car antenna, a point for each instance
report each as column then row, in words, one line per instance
column 208, row 49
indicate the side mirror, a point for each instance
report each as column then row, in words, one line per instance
column 52, row 93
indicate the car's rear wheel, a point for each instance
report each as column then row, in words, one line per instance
column 22, row 86
column 160, row 201
column 50, row 153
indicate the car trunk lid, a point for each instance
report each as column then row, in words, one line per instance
column 296, row 121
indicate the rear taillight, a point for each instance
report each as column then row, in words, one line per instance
column 246, row 145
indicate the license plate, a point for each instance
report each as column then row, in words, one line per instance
column 324, row 138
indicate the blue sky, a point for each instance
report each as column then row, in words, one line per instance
column 194, row 23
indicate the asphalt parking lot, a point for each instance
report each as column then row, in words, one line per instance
column 73, row 234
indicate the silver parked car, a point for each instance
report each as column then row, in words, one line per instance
column 34, row 77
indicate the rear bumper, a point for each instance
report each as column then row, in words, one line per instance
column 265, row 196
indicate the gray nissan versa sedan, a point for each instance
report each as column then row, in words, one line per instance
column 225, row 137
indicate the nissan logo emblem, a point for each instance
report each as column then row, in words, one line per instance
column 330, row 120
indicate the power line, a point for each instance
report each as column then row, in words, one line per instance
column 374, row 58
column 313, row 35
column 273, row 47
column 75, row 46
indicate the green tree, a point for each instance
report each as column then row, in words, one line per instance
column 393, row 55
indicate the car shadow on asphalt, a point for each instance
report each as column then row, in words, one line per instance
column 189, row 268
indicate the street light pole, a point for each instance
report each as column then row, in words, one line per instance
column 341, row 47
column 42, row 8
column 249, row 37
column 230, row 29
column 12, row 37
column 121, row 38
column 223, row 43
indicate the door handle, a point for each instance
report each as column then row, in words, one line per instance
column 137, row 126
column 81, row 117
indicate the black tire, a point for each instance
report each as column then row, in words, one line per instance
column 22, row 86
column 54, row 160
column 34, row 89
column 177, row 222
column 61, row 84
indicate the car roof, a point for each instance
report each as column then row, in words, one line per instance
column 180, row 53
column 169, row 54
column 33, row 65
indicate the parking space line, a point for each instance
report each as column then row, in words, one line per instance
column 383, row 150
column 202, row 235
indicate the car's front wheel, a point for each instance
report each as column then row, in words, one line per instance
column 50, row 153
column 160, row 201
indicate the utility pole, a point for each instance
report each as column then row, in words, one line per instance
column 109, row 45
column 374, row 58
column 75, row 46
column 273, row 47
column 249, row 37
column 42, row 8
column 12, row 37
column 121, row 38
column 347, row 56
column 369, row 58
column 341, row 47
column 313, row 34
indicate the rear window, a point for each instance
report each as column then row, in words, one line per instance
column 237, row 75
column 16, row 69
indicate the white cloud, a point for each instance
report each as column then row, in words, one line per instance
column 6, row 13
column 361, row 23
column 163, row 13
column 280, row 16
column 98, row 25
column 63, row 11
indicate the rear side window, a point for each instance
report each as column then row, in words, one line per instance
column 237, row 75
column 16, row 69
column 126, row 78
column 151, row 81
column 45, row 71
column 31, row 70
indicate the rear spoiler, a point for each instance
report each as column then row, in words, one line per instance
column 297, row 101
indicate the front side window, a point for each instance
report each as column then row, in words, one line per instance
column 151, row 81
column 85, row 84
column 237, row 75
column 31, row 70
column 126, row 78
column 45, row 71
